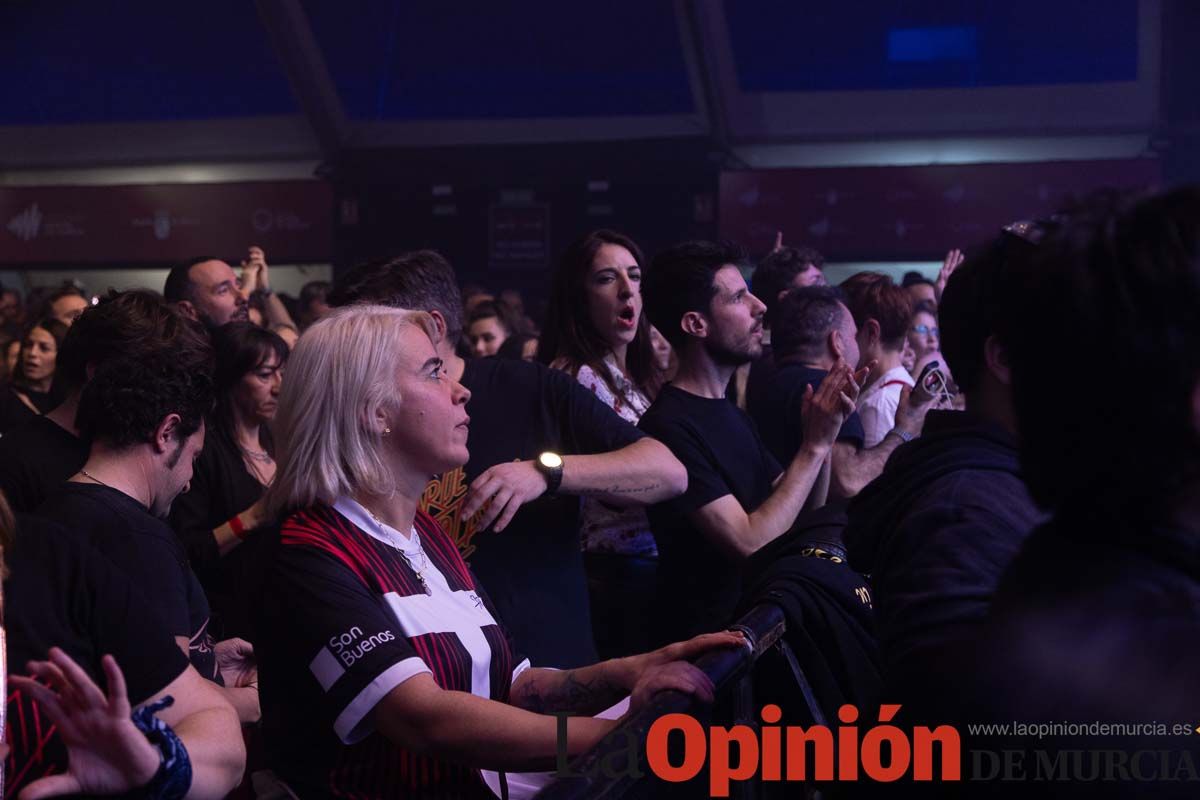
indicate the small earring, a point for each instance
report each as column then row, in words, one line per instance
column 387, row 431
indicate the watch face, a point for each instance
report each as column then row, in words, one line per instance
column 550, row 460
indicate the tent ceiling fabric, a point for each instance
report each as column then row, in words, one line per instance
column 137, row 61
column 403, row 61
column 84, row 84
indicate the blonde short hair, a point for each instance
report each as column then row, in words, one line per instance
column 342, row 372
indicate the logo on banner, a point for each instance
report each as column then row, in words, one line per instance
column 266, row 220
column 162, row 224
column 26, row 225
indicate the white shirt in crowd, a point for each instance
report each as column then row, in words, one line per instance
column 878, row 403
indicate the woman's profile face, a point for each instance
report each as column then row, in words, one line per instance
column 429, row 426
column 256, row 394
column 486, row 336
column 40, row 354
column 613, row 288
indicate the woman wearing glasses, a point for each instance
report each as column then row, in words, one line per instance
column 923, row 334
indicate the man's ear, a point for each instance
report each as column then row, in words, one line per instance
column 188, row 310
column 439, row 323
column 166, row 433
column 996, row 359
column 693, row 323
column 836, row 345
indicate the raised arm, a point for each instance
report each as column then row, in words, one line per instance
column 640, row 473
column 741, row 533
column 274, row 309
column 853, row 469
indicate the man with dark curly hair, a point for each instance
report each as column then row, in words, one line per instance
column 145, row 421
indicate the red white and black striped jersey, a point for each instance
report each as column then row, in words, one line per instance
column 346, row 618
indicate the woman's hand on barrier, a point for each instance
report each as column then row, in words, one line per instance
column 637, row 669
column 676, row 676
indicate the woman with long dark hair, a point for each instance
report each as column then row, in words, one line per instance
column 596, row 331
column 220, row 514
column 30, row 393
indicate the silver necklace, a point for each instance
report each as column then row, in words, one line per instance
column 419, row 572
column 258, row 455
column 93, row 478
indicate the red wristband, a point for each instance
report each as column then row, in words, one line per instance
column 235, row 525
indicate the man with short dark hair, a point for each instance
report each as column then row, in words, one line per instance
column 65, row 304
column 314, row 302
column 38, row 456
column 920, row 288
column 206, row 289
column 738, row 497
column 813, row 331
column 781, row 271
column 538, row 440
column 951, row 510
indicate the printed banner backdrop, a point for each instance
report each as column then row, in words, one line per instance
column 896, row 213
column 291, row 220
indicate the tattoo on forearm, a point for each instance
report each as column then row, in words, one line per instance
column 564, row 691
column 622, row 490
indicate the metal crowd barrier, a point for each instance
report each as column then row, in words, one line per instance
column 728, row 670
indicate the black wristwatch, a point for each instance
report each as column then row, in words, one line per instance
column 550, row 465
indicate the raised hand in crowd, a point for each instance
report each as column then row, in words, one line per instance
column 255, row 274
column 825, row 409
column 107, row 753
column 256, row 277
column 910, row 413
column 953, row 261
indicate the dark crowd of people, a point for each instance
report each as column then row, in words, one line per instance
column 378, row 542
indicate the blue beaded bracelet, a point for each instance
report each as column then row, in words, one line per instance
column 174, row 776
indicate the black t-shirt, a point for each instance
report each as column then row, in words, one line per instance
column 60, row 592
column 724, row 455
column 758, row 381
column 148, row 551
column 221, row 487
column 344, row 619
column 777, row 412
column 533, row 570
column 13, row 412
column 35, row 459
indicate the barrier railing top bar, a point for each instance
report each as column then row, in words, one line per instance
column 763, row 626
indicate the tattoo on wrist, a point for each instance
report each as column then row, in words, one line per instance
column 564, row 691
column 622, row 489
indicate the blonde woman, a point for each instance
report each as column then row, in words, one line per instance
column 384, row 670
